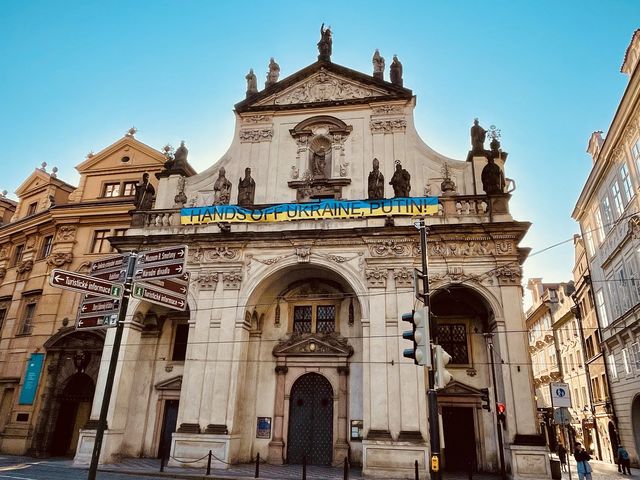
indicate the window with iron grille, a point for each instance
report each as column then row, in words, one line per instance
column 28, row 315
column 326, row 319
column 453, row 339
column 302, row 316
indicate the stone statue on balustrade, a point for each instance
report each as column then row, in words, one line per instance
column 246, row 189
column 376, row 182
column 273, row 74
column 395, row 71
column 221, row 189
column 401, row 181
column 252, row 83
column 478, row 135
column 493, row 182
column 144, row 195
column 378, row 65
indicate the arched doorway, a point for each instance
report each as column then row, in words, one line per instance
column 75, row 409
column 635, row 421
column 311, row 421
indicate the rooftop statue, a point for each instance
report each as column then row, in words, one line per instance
column 325, row 43
column 246, row 189
column 144, row 194
column 273, row 74
column 221, row 189
column 180, row 156
column 493, row 182
column 378, row 65
column 252, row 83
column 478, row 135
column 395, row 71
column 401, row 181
column 376, row 182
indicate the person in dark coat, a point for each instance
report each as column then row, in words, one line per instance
column 582, row 462
column 562, row 455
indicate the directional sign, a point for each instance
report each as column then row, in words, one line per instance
column 117, row 262
column 97, row 321
column 102, row 306
column 156, row 272
column 152, row 294
column 116, row 275
column 171, row 254
column 560, row 394
column 178, row 285
column 85, row 284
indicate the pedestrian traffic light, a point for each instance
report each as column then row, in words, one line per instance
column 442, row 375
column 486, row 404
column 419, row 335
column 501, row 412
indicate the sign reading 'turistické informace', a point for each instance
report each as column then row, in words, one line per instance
column 323, row 209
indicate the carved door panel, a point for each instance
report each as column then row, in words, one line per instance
column 311, row 421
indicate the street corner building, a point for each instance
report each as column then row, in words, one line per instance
column 301, row 250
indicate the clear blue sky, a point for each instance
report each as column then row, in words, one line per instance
column 75, row 75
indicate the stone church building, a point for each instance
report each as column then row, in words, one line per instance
column 291, row 345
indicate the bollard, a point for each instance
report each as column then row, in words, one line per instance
column 304, row 467
column 257, row 474
column 162, row 462
column 209, row 464
column 345, row 475
column 415, row 467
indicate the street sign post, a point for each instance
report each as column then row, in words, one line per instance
column 161, row 263
column 178, row 285
column 117, row 262
column 97, row 321
column 162, row 255
column 157, row 272
column 560, row 394
column 156, row 295
column 84, row 284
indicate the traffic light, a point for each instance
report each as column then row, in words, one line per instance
column 486, row 404
column 501, row 412
column 442, row 375
column 419, row 335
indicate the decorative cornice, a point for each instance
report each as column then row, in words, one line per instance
column 256, row 135
column 388, row 126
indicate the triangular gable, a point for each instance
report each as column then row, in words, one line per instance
column 101, row 160
column 314, row 344
column 38, row 180
column 174, row 383
column 323, row 82
column 459, row 389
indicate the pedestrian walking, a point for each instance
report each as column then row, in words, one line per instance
column 582, row 462
column 562, row 455
column 624, row 463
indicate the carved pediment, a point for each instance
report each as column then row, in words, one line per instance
column 459, row 389
column 315, row 344
column 174, row 383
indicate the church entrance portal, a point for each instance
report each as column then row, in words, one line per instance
column 459, row 439
column 311, row 421
column 75, row 408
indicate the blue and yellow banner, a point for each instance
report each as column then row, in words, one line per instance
column 327, row 209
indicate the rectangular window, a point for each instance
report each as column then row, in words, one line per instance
column 622, row 285
column 302, row 316
column 588, row 235
column 4, row 308
column 326, row 319
column 129, row 189
column 589, row 345
column 453, row 339
column 635, row 153
column 599, row 227
column 47, row 244
column 17, row 255
column 32, row 208
column 111, row 190
column 100, row 243
column 611, row 359
column 602, row 311
column 626, row 362
column 28, row 316
column 608, row 215
column 635, row 356
column 180, row 340
column 118, row 232
column 617, row 198
column 626, row 183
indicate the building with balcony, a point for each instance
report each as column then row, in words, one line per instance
column 607, row 211
column 48, row 370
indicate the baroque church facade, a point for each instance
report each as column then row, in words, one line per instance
column 293, row 333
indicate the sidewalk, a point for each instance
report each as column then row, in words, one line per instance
column 601, row 471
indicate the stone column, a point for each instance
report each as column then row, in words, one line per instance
column 276, row 445
column 341, row 449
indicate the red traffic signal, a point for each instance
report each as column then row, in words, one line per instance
column 500, row 411
column 501, row 408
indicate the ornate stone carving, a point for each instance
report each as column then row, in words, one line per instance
column 221, row 253
column 634, row 227
column 322, row 87
column 231, row 280
column 617, row 153
column 66, row 233
column 629, row 133
column 3, row 273
column 387, row 109
column 467, row 248
column 256, row 135
column 207, row 280
column 303, row 254
column 195, row 255
column 453, row 274
column 24, row 266
column 388, row 126
column 313, row 344
column 389, row 248
column 403, row 277
column 376, row 277
column 58, row 259
column 253, row 119
column 4, row 251
column 267, row 261
column 508, row 274
column 504, row 247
